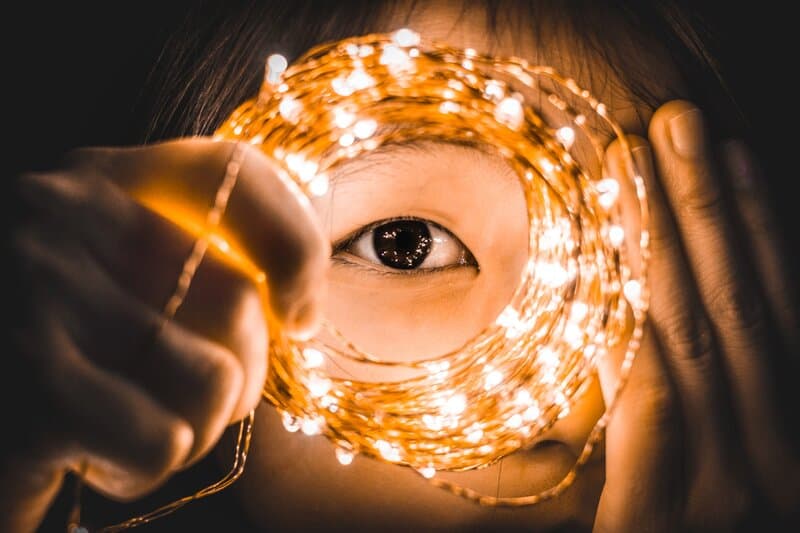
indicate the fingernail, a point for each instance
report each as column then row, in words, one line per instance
column 642, row 159
column 687, row 133
column 740, row 165
column 303, row 321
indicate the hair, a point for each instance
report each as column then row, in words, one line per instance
column 215, row 59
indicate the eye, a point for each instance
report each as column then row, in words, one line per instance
column 407, row 244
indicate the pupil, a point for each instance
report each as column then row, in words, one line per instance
column 402, row 244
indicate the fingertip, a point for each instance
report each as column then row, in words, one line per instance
column 679, row 127
column 304, row 320
column 659, row 123
column 181, row 441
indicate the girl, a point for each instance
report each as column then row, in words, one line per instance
column 701, row 439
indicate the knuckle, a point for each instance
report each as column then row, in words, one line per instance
column 663, row 240
column 167, row 452
column 154, row 459
column 688, row 337
column 700, row 195
column 48, row 190
column 222, row 378
column 732, row 304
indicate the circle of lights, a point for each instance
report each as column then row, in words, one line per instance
column 578, row 295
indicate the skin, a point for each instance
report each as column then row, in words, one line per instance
column 698, row 440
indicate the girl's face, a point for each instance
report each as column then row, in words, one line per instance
column 429, row 241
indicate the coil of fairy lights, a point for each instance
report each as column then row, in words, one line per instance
column 501, row 389
column 578, row 296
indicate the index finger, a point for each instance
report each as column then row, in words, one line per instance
column 268, row 219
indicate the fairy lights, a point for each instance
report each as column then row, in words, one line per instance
column 515, row 379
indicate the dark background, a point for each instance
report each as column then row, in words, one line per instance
column 74, row 75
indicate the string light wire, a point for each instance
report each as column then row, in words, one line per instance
column 583, row 290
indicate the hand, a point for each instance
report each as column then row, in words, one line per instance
column 701, row 439
column 93, row 268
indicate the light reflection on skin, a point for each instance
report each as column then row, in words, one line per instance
column 293, row 482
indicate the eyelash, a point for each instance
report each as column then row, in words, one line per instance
column 339, row 251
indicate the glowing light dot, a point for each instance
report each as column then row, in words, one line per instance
column 327, row 401
column 455, row 405
column 365, row 128
column 470, row 52
column 509, row 112
column 475, row 435
column 387, row 451
column 608, row 190
column 547, row 357
column 523, row 397
column 493, row 379
column 365, row 50
column 467, row 64
column 347, row 139
column 434, row 423
column 449, row 107
column 310, row 426
column 277, row 63
column 406, row 37
column 359, row 79
column 345, row 457
column 427, row 472
column 319, row 185
column 393, row 56
column 318, row 386
column 343, row 118
column 547, row 165
column 616, row 235
column 351, row 49
column 307, row 170
column 578, row 311
column 632, row 291
column 514, row 421
column 494, row 90
column 313, row 358
column 237, row 130
column 438, row 366
column 290, row 423
column 580, row 120
column 531, row 413
column 573, row 335
column 290, row 109
column 552, row 274
column 566, row 136
column 341, row 87
column 508, row 318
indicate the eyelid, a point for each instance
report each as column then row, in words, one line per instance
column 351, row 260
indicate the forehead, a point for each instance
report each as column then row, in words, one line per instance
column 545, row 38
